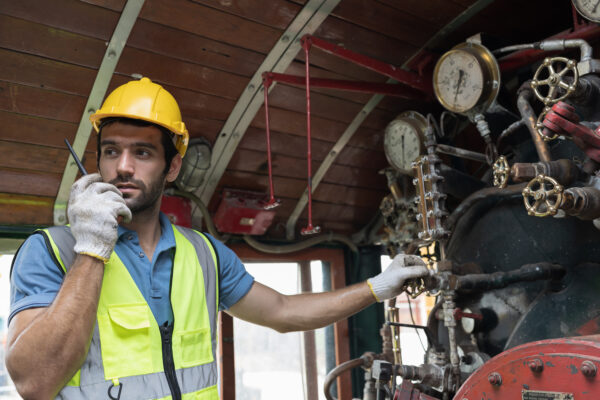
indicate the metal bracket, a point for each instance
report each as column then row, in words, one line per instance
column 279, row 58
column 107, row 68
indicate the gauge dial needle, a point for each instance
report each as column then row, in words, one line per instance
column 403, row 156
column 461, row 73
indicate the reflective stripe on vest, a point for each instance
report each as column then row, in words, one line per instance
column 126, row 346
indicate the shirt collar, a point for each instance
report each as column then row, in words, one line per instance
column 167, row 237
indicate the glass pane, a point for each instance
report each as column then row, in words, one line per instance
column 268, row 364
column 7, row 389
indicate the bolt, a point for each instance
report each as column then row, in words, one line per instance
column 588, row 369
column 536, row 365
column 251, row 87
column 495, row 379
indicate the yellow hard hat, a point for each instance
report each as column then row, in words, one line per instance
column 147, row 101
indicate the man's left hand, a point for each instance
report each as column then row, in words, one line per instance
column 390, row 282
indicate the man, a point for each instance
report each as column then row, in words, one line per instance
column 122, row 304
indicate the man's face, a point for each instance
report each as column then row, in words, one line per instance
column 132, row 158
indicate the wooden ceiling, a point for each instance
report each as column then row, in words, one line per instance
column 204, row 52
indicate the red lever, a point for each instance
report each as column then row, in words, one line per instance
column 310, row 229
column 459, row 314
column 272, row 203
column 563, row 120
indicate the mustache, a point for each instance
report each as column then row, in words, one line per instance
column 135, row 182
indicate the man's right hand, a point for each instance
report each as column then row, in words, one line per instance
column 93, row 210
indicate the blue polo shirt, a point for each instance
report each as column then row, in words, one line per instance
column 35, row 278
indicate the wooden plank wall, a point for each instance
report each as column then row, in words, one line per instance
column 204, row 52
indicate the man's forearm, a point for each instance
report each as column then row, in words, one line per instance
column 314, row 310
column 301, row 312
column 46, row 349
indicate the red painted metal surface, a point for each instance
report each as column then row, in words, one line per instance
column 563, row 120
column 309, row 229
column 243, row 212
column 178, row 209
column 520, row 59
column 272, row 203
column 389, row 89
column 420, row 82
column 539, row 370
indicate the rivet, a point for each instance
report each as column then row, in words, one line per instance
column 495, row 379
column 285, row 38
column 589, row 369
column 536, row 365
column 251, row 87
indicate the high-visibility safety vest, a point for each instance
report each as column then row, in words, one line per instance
column 130, row 355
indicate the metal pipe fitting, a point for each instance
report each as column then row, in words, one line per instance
column 582, row 202
column 562, row 44
column 565, row 171
column 526, row 111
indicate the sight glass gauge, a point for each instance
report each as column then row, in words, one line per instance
column 466, row 79
column 589, row 9
column 403, row 140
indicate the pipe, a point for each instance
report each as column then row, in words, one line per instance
column 210, row 226
column 552, row 45
column 525, row 95
column 509, row 130
column 292, row 247
column 265, row 248
column 461, row 153
column 334, row 373
column 467, row 203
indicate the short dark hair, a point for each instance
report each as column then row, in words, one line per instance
column 166, row 139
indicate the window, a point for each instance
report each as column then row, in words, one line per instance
column 269, row 365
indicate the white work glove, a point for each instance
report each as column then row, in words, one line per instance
column 94, row 208
column 389, row 283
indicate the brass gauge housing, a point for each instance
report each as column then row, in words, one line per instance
column 466, row 79
column 589, row 9
column 403, row 140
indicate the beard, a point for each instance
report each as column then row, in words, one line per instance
column 149, row 195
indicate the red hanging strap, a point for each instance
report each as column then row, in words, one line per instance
column 310, row 229
column 272, row 203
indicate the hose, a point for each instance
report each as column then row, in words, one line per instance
column 334, row 373
column 265, row 248
column 205, row 214
column 467, row 203
column 292, row 247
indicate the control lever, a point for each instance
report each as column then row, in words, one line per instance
column 563, row 120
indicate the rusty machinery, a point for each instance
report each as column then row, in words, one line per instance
column 514, row 220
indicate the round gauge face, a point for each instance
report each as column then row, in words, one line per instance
column 402, row 144
column 458, row 82
column 589, row 9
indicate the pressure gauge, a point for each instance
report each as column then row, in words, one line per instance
column 403, row 140
column 466, row 79
column 589, row 9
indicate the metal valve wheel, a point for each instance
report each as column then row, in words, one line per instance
column 539, row 126
column 555, row 79
column 542, row 196
column 501, row 172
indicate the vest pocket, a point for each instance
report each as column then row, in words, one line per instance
column 195, row 347
column 125, row 340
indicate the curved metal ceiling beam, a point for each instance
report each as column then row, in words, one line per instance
column 279, row 58
column 107, row 68
column 463, row 17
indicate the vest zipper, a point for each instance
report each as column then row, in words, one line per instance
column 166, row 333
